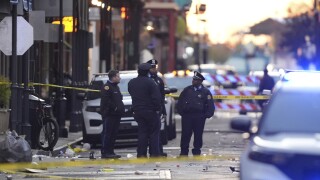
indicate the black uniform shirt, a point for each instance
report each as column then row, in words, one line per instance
column 145, row 94
column 196, row 100
column 111, row 100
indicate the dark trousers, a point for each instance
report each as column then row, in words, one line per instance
column 160, row 142
column 148, row 132
column 192, row 123
column 109, row 133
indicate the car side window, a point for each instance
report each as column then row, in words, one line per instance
column 95, row 85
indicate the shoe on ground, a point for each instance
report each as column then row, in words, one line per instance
column 110, row 156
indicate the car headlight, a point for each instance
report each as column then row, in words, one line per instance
column 269, row 157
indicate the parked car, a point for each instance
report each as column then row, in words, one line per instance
column 285, row 142
column 92, row 123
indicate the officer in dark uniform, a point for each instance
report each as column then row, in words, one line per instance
column 267, row 83
column 146, row 106
column 160, row 83
column 111, row 107
column 195, row 104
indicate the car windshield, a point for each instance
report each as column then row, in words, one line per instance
column 123, row 85
column 293, row 112
column 179, row 82
column 97, row 85
column 208, row 70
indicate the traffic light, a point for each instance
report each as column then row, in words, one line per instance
column 123, row 13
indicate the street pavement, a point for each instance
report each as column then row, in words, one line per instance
column 219, row 160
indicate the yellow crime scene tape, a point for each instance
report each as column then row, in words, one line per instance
column 6, row 167
column 29, row 170
column 230, row 97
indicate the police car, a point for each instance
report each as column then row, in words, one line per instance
column 285, row 143
column 128, row 130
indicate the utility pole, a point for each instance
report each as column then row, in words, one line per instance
column 14, row 75
column 63, row 132
column 26, row 126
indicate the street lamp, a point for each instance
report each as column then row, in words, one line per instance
column 200, row 9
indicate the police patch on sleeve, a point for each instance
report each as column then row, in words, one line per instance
column 106, row 88
column 209, row 96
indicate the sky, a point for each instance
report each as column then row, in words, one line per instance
column 225, row 17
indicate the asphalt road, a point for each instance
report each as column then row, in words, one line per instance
column 220, row 156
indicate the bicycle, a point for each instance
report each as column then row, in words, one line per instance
column 46, row 132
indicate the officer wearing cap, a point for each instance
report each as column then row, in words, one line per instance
column 160, row 83
column 195, row 104
column 111, row 108
column 146, row 106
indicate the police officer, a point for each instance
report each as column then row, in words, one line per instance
column 111, row 107
column 195, row 104
column 146, row 106
column 266, row 82
column 160, row 83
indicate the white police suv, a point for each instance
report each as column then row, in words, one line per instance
column 128, row 130
column 285, row 144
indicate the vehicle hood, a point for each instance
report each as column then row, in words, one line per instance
column 295, row 143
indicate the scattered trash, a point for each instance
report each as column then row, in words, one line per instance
column 233, row 169
column 106, row 170
column 9, row 177
column 69, row 152
column 77, row 149
column 61, row 154
column 138, row 172
column 31, row 170
column 210, row 152
column 15, row 148
column 158, row 164
column 129, row 156
column 205, row 168
column 178, row 165
column 40, row 157
column 91, row 156
column 86, row 147
column 73, row 159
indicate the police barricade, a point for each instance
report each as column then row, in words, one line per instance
column 237, row 100
column 237, row 85
column 235, row 79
